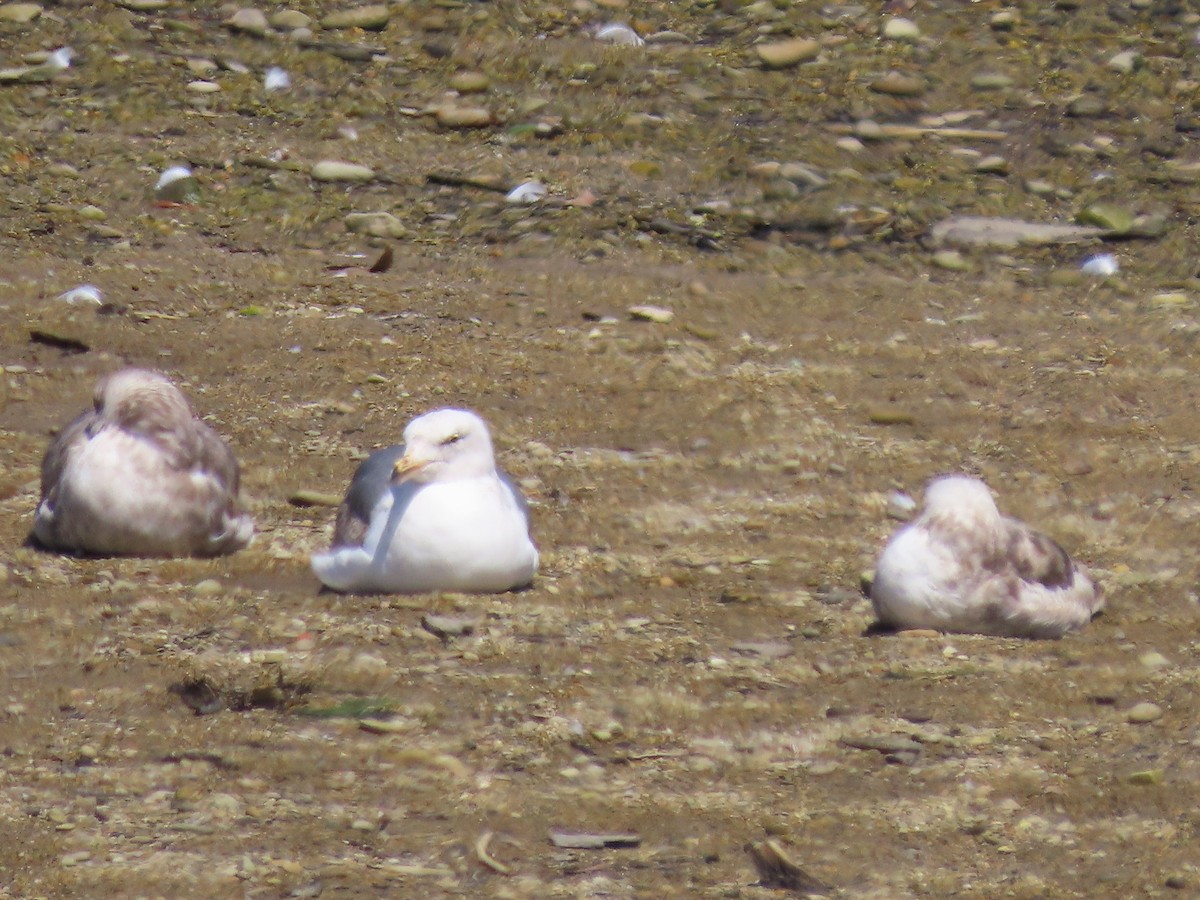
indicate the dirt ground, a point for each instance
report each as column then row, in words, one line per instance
column 693, row 669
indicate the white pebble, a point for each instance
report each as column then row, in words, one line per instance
column 84, row 293
column 529, row 192
column 276, row 79
column 1102, row 265
column 621, row 35
column 171, row 175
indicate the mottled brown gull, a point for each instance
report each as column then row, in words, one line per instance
column 962, row 566
column 140, row 475
column 432, row 514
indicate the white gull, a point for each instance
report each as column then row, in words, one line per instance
column 432, row 514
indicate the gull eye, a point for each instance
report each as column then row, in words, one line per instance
column 452, row 439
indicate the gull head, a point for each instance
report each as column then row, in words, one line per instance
column 443, row 445
column 959, row 499
column 141, row 400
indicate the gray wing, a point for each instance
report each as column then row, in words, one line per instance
column 55, row 459
column 210, row 453
column 522, row 503
column 370, row 481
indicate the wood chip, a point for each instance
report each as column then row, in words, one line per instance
column 586, row 840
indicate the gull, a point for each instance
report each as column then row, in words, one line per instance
column 962, row 566
column 140, row 475
column 432, row 514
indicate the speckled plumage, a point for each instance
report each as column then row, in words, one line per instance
column 962, row 566
column 140, row 475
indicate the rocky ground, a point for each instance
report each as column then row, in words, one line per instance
column 693, row 671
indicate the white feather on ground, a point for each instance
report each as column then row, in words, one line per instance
column 962, row 566
column 433, row 514
column 140, row 475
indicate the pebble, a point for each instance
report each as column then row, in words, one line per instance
column 1152, row 659
column 1004, row 20
column 1087, row 106
column 951, row 260
column 1147, row 776
column 203, row 87
column 528, row 192
column 619, row 35
column 898, row 84
column 1125, row 62
column 209, row 587
column 20, row 13
column 991, row 81
column 276, row 79
column 369, row 18
column 1101, row 265
column 1116, row 219
column 992, row 165
column 463, row 117
column 84, row 293
column 658, row 314
column 249, row 21
column 900, row 506
column 782, row 54
column 1143, row 713
column 176, row 185
column 336, row 170
column 901, row 29
column 470, row 82
column 376, row 224
column 289, row 19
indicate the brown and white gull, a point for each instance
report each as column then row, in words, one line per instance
column 432, row 514
column 962, row 566
column 140, row 475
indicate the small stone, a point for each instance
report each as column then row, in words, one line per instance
column 619, row 35
column 901, row 506
column 1004, row 20
column 1087, row 106
column 1146, row 776
column 203, row 87
column 289, row 19
column 1125, row 62
column 783, row 54
column 658, row 314
column 369, row 18
column 992, row 165
column 20, row 13
column 901, row 29
column 470, row 82
column 463, row 117
column 90, row 213
column 1170, row 298
column 375, row 224
column 802, row 175
column 990, row 81
column 951, row 260
column 1143, row 713
column 1152, row 659
column 898, row 84
column 209, row 587
column 249, row 21
column 335, row 170
column 1116, row 219
column 144, row 5
column 890, row 415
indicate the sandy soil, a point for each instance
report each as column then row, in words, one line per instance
column 694, row 664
